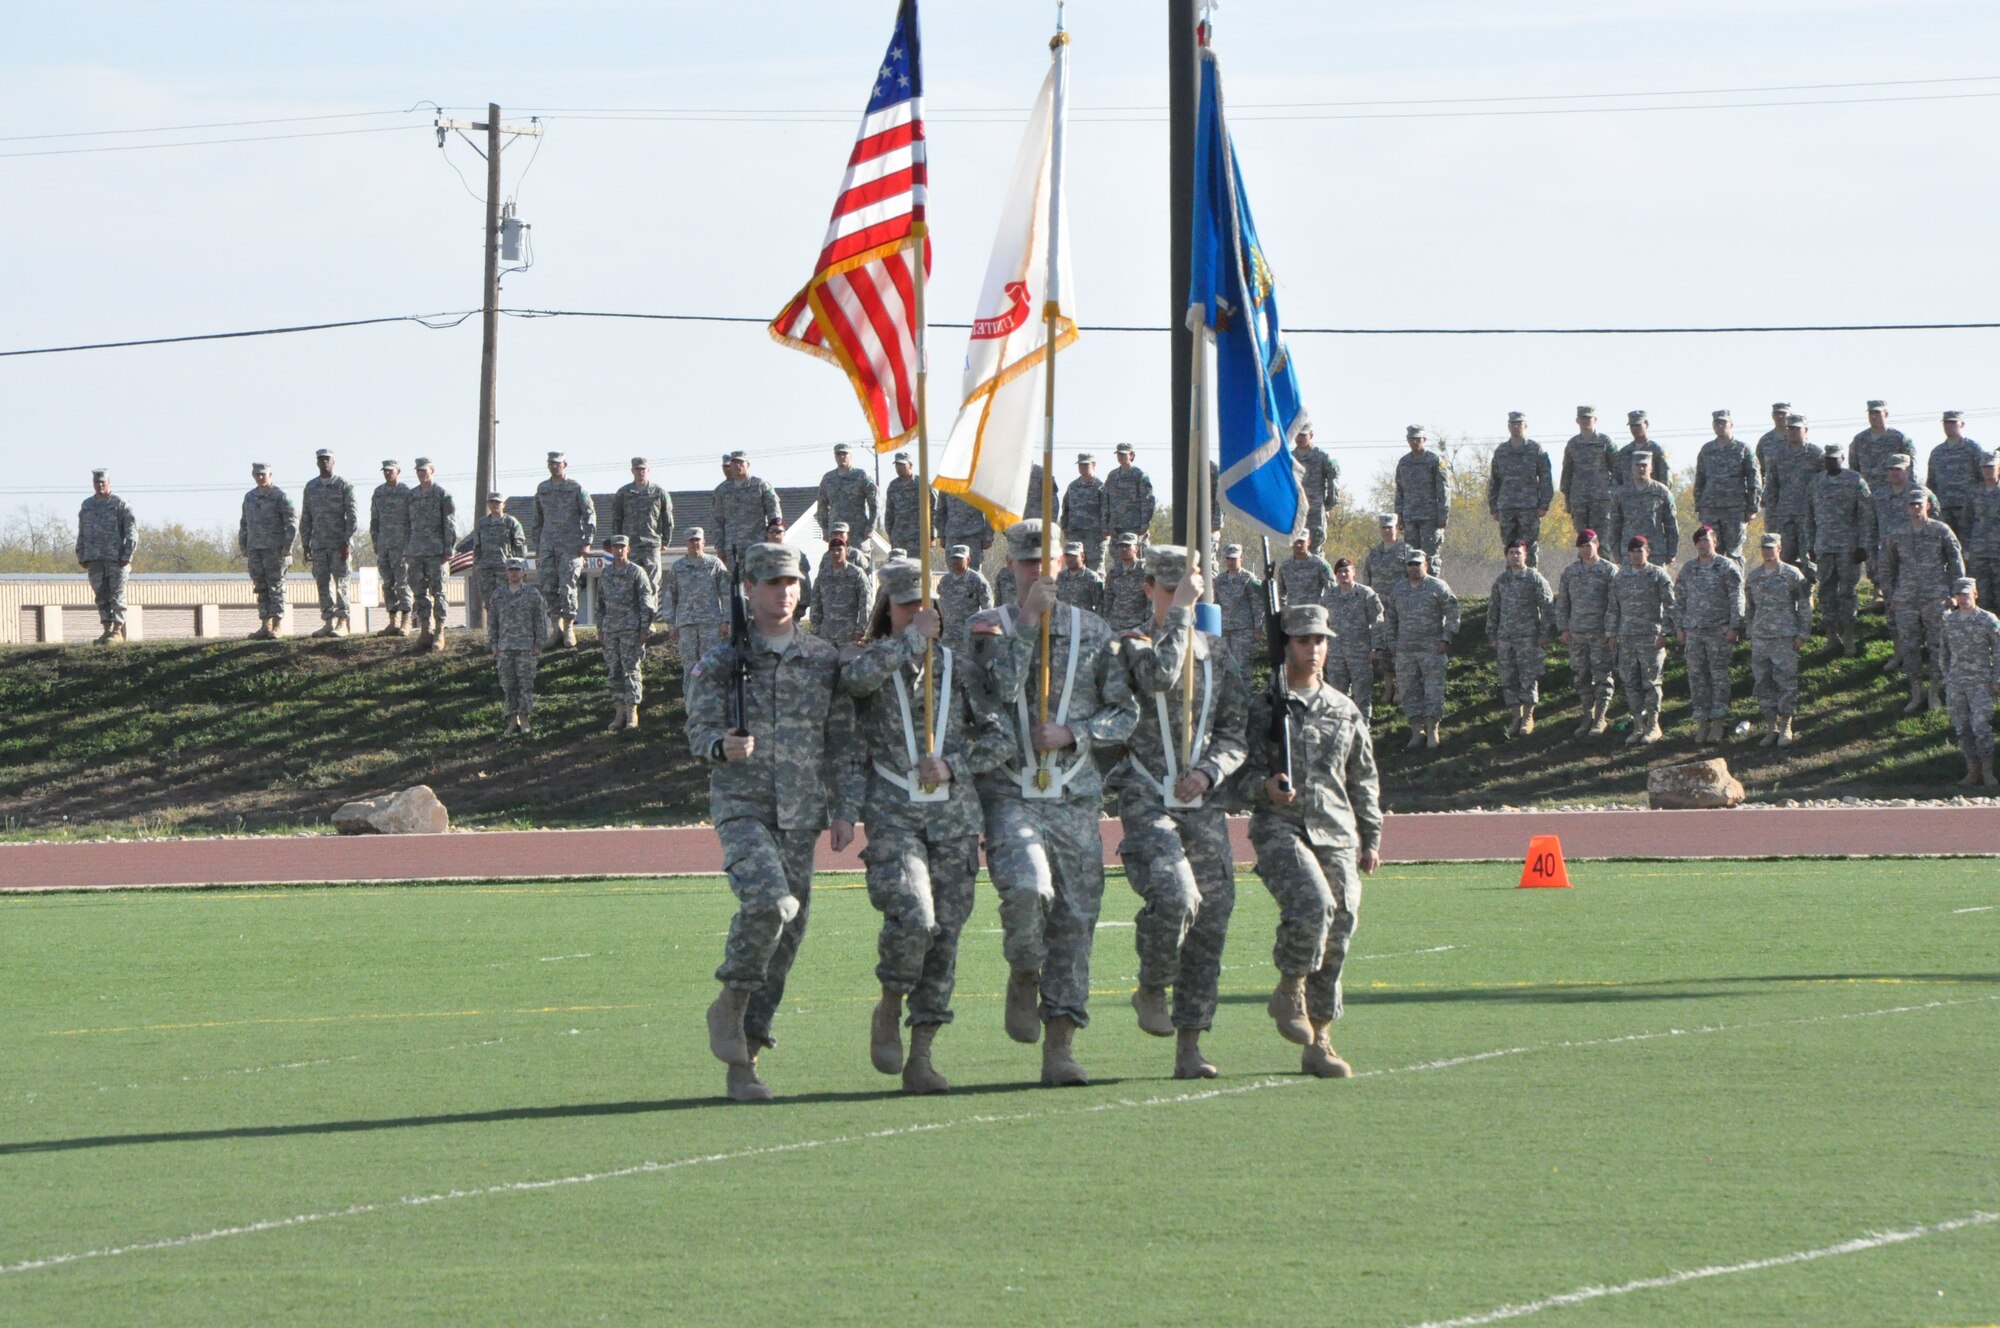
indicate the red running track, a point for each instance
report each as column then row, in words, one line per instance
column 548, row 854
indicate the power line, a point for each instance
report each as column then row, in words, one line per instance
column 212, row 124
column 214, row 142
column 436, row 322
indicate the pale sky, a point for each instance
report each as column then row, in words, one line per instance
column 1395, row 216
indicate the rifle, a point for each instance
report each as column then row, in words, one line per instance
column 1274, row 634
column 739, row 671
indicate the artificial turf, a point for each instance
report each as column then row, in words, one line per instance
column 495, row 1103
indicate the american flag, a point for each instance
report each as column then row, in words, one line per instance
column 859, row 309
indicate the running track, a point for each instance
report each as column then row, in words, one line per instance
column 547, row 854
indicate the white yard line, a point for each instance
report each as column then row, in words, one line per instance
column 1860, row 1244
column 1983, row 908
column 933, row 1127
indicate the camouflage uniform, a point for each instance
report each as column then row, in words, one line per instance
column 959, row 522
column 1518, row 491
column 1583, row 597
column 1423, row 504
column 1128, row 494
column 1779, row 612
column 328, row 522
column 389, row 535
column 561, row 526
column 694, row 601
column 1358, row 621
column 1417, row 620
column 644, row 514
column 1640, row 612
column 1178, row 859
column 902, row 517
column 1621, row 464
column 743, row 512
column 1587, row 481
column 1520, row 619
column 1982, row 549
column 1891, row 507
column 1919, row 563
column 1240, row 596
column 1383, row 567
column 1971, row 678
column 1125, row 602
column 1839, row 531
column 1082, row 587
column 1788, row 490
column 841, row 599
column 848, row 497
column 1319, row 475
column 1086, row 517
column 1727, row 487
column 1709, row 597
column 1303, row 580
column 1869, row 453
column 1768, row 448
column 493, row 541
column 519, row 624
column 265, row 536
column 1307, row 852
column 768, row 810
column 1044, row 854
column 959, row 595
column 1647, row 510
column 433, row 533
column 1954, row 477
column 625, row 610
column 106, row 538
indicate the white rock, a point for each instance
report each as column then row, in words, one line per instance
column 1695, row 784
column 414, row 811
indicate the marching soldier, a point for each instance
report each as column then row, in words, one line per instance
column 1727, row 486
column 694, row 600
column 841, row 594
column 1077, row 584
column 643, row 512
column 1636, row 622
column 1319, row 477
column 1518, row 488
column 625, row 610
column 328, row 522
column 1520, row 621
column 922, row 815
column 1423, row 498
column 1583, row 599
column 1303, row 578
column 1125, row 603
column 1874, row 445
column 1042, row 844
column 1129, row 496
column 389, row 536
column 1587, row 475
column 1642, row 444
column 520, row 622
column 902, row 517
column 561, row 526
column 1085, row 514
column 1316, row 829
column 744, row 508
column 1982, row 550
column 433, row 533
column 107, row 536
column 1420, row 617
column 846, row 497
column 265, row 536
column 1176, row 846
column 1954, row 474
column 1778, row 609
column 495, row 541
column 1356, row 616
column 1240, row 595
column 780, row 772
column 1645, row 507
column 1839, row 530
column 1709, row 598
column 1920, row 560
column 1972, row 677
column 1788, row 490
column 961, row 593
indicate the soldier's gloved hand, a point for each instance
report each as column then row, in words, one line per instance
column 934, row 771
column 1041, row 598
column 1279, row 791
column 1053, row 737
column 1188, row 591
column 738, row 747
column 1191, row 786
column 840, row 834
column 929, row 623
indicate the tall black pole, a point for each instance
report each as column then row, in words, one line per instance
column 489, row 346
column 1182, row 82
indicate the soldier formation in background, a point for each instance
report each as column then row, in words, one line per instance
column 643, row 512
column 626, row 606
column 433, row 535
column 516, row 629
column 106, row 538
column 389, row 533
column 562, row 525
column 328, row 524
column 265, row 536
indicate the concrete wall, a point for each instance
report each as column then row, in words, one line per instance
column 60, row 607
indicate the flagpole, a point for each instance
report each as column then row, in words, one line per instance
column 920, row 234
column 1052, row 317
column 1197, row 523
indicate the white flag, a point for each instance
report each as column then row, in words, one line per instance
column 1000, row 429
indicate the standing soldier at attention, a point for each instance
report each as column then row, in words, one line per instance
column 1420, row 617
column 922, row 816
column 1768, row 447
column 1587, row 477
column 959, row 522
column 784, row 769
column 561, row 526
column 1839, row 531
column 1423, row 499
column 1982, row 549
column 1520, row 621
column 902, row 517
column 1383, row 567
column 961, row 592
column 846, row 497
column 389, row 536
column 1874, row 445
column 1303, row 578
column 1954, row 474
column 744, row 508
column 1316, row 829
column 1920, row 560
column 1644, row 507
column 840, row 597
column 1727, row 486
column 1319, row 477
column 433, row 533
column 694, row 600
column 1636, row 622
column 1358, row 621
column 643, row 512
column 1642, row 444
column 1176, row 847
column 106, row 538
column 1085, row 515
column 496, row 541
column 1778, row 608
column 328, row 523
column 1129, row 496
column 1518, row 488
column 1240, row 596
column 1077, row 584
column 1889, row 499
column 1583, row 598
column 625, row 609
column 265, row 536
column 1125, row 602
column 1042, row 845
column 1709, row 598
column 1972, row 678
column 519, row 623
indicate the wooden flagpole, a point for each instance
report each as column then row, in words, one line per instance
column 920, row 233
column 1051, row 318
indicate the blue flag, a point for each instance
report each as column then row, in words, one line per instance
column 1230, row 291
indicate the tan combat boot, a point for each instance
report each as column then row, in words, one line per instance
column 1770, row 738
column 120, row 629
column 632, row 715
column 1935, row 691
column 437, row 640
column 617, row 718
column 325, row 630
column 1432, row 735
column 1916, row 698
column 919, row 1076
column 1986, row 775
column 524, row 726
column 1600, row 718
column 1652, row 733
column 1527, row 719
column 743, row 1085
column 1847, row 645
column 1151, row 1003
column 104, row 637
column 1189, row 1063
column 1419, row 730
column 569, row 631
column 1024, row 997
column 1288, row 1007
column 1514, row 722
column 885, row 1032
column 423, row 642
column 342, row 626
column 1971, row 773
column 1582, row 729
column 1320, row 1059
column 1784, row 730
column 263, row 632
column 555, row 635
column 1059, row 1067
column 725, row 1026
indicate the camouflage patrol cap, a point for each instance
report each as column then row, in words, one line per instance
column 1917, row 498
column 1385, row 520
column 392, row 464
column 898, row 553
column 1166, row 564
column 1306, row 620
column 1781, row 405
column 641, row 461
column 1958, row 415
column 1232, row 550
column 1300, row 537
column 694, row 533
column 840, row 530
column 1516, row 417
column 1414, row 557
column 902, row 581
column 773, row 562
column 497, row 497
column 1794, row 420
column 1415, row 431
column 615, row 541
column 1024, row 539
column 1990, row 460
column 324, row 454
column 1772, row 541
column 1831, row 450
column 842, row 448
column 959, row 551
column 737, row 455
column 1897, row 461
column 1635, row 417
column 558, row 456
column 1126, row 449
column 424, row 463
column 1083, row 457
column 1128, row 541
column 99, row 474
column 1964, row 585
column 1878, row 404
column 1074, row 547
column 1586, row 412
column 1719, row 415
column 517, row 564
column 259, row 468
column 901, row 458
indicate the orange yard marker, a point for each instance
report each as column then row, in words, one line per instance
column 1544, row 866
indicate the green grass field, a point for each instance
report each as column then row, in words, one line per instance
column 495, row 1104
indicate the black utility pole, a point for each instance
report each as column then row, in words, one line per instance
column 1183, row 71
